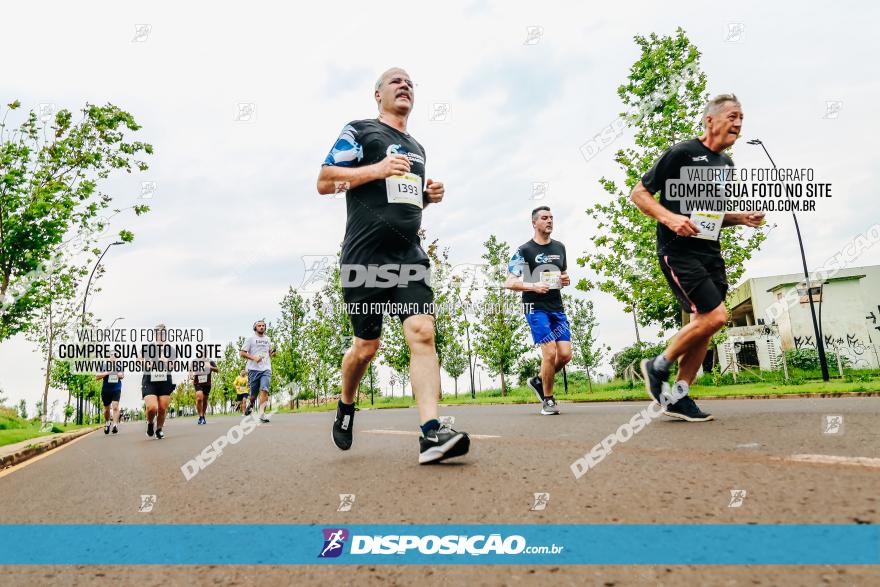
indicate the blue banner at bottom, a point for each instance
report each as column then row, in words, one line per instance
column 533, row 544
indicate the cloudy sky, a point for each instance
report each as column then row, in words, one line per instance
column 235, row 208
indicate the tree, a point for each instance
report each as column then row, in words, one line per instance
column 290, row 363
column 229, row 366
column 50, row 177
column 395, row 350
column 327, row 335
column 586, row 351
column 664, row 95
column 183, row 396
column 499, row 329
column 456, row 361
column 22, row 409
column 76, row 384
column 50, row 323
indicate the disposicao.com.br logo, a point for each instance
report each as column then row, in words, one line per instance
column 431, row 544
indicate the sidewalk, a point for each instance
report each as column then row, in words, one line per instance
column 13, row 454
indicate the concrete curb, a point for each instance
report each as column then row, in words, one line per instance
column 46, row 445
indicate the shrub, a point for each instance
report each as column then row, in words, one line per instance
column 808, row 359
column 622, row 359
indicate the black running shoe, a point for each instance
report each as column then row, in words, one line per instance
column 686, row 409
column 655, row 379
column 159, row 434
column 150, row 428
column 343, row 429
column 538, row 387
column 441, row 444
column 107, row 427
column 250, row 408
column 115, row 429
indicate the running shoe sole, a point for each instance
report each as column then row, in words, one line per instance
column 546, row 413
column 647, row 378
column 451, row 448
column 688, row 418
column 538, row 393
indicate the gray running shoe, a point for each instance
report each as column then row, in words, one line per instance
column 549, row 407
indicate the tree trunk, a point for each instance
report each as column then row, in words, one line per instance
column 636, row 324
column 589, row 380
column 456, row 386
column 503, row 385
column 49, row 357
column 65, row 406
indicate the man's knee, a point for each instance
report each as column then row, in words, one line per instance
column 713, row 321
column 364, row 350
column 419, row 330
column 563, row 357
column 549, row 353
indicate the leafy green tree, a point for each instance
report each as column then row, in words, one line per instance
column 394, row 349
column 326, row 336
column 664, row 94
column 22, row 409
column 183, row 396
column 456, row 361
column 76, row 384
column 50, row 324
column 50, row 188
column 586, row 350
column 229, row 366
column 499, row 330
column 290, row 364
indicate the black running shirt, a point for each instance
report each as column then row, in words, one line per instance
column 690, row 153
column 379, row 230
column 531, row 260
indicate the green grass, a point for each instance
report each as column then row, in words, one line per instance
column 14, row 429
column 623, row 391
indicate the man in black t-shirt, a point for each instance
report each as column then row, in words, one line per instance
column 690, row 255
column 383, row 269
column 538, row 270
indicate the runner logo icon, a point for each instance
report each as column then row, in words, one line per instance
column 334, row 540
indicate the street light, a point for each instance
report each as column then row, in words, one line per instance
column 80, row 402
column 114, row 322
column 820, row 345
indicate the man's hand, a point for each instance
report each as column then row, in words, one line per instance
column 681, row 225
column 392, row 165
column 256, row 359
column 753, row 219
column 564, row 279
column 540, row 287
column 435, row 191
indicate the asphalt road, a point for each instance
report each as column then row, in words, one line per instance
column 289, row 472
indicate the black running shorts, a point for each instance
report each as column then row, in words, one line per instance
column 698, row 281
column 108, row 397
column 156, row 388
column 365, row 306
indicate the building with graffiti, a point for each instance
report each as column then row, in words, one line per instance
column 771, row 314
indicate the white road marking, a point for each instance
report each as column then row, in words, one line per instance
column 413, row 433
column 835, row 460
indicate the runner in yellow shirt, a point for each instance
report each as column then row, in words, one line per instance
column 241, row 389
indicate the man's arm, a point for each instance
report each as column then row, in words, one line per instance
column 752, row 219
column 648, row 204
column 338, row 178
column 515, row 283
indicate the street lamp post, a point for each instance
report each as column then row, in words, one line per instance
column 80, row 400
column 820, row 345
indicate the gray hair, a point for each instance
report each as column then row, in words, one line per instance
column 385, row 74
column 715, row 104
